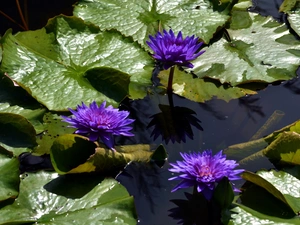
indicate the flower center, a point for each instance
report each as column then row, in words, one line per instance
column 205, row 171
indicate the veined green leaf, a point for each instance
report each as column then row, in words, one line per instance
column 262, row 52
column 58, row 64
column 146, row 17
column 41, row 202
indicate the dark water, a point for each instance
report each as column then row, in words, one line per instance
column 223, row 124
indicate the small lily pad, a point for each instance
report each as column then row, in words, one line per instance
column 76, row 154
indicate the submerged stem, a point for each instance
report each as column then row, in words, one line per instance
column 170, row 82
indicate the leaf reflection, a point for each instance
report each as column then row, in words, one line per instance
column 251, row 106
column 174, row 123
column 293, row 84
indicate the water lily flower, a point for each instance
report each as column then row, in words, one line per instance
column 171, row 50
column 100, row 122
column 203, row 171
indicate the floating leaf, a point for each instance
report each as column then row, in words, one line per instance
column 242, row 215
column 53, row 127
column 285, row 149
column 252, row 150
column 294, row 18
column 243, row 150
column 75, row 154
column 159, row 156
column 200, row 90
column 9, row 176
column 57, row 64
column 281, row 185
column 16, row 100
column 264, row 52
column 260, row 200
column 16, row 131
column 147, row 17
column 287, row 5
column 106, row 202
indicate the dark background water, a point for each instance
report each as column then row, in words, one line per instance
column 223, row 123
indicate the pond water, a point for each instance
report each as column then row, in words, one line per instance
column 223, row 123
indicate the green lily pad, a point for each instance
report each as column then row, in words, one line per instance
column 242, row 215
column 105, row 203
column 53, row 126
column 262, row 52
column 146, row 17
column 294, row 18
column 32, row 115
column 285, row 149
column 281, row 185
column 14, row 99
column 201, row 90
column 9, row 176
column 58, row 64
column 76, row 154
column 259, row 199
column 16, row 131
column 254, row 149
column 287, row 5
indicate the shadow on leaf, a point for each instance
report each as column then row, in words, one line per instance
column 74, row 185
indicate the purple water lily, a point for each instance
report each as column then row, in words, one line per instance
column 204, row 171
column 171, row 50
column 100, row 122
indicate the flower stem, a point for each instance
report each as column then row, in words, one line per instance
column 170, row 97
column 170, row 82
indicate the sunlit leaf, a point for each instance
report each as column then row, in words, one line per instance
column 294, row 18
column 285, row 149
column 264, row 52
column 9, row 176
column 287, row 5
column 200, row 90
column 58, row 64
column 242, row 215
column 147, row 17
column 104, row 202
column 53, row 126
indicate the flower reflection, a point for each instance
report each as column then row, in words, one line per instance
column 195, row 210
column 174, row 123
